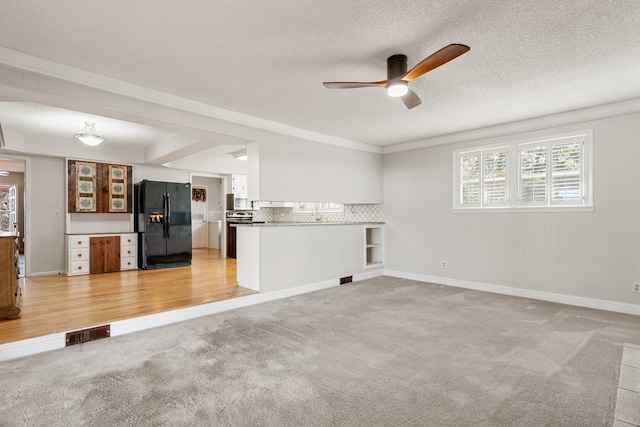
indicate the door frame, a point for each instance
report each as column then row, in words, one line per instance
column 224, row 178
column 204, row 215
column 26, row 211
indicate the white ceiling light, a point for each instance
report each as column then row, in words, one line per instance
column 4, row 173
column 88, row 136
column 240, row 155
column 397, row 89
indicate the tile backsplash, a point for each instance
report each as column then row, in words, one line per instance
column 352, row 213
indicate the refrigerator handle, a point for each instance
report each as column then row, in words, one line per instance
column 168, row 222
column 164, row 215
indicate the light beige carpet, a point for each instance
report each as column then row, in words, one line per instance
column 383, row 352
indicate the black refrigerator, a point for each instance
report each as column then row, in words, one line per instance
column 163, row 223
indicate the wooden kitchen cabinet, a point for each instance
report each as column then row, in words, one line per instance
column 99, row 187
column 101, row 253
column 9, row 282
column 104, row 254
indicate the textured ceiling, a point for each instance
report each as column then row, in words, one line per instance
column 269, row 59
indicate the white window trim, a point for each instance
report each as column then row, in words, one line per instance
column 513, row 177
column 309, row 207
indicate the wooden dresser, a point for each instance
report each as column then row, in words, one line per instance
column 9, row 282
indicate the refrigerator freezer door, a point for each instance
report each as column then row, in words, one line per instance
column 155, row 244
column 179, row 222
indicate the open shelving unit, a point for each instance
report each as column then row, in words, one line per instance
column 373, row 250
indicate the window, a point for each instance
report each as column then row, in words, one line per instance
column 306, row 207
column 553, row 173
column 483, row 178
column 5, row 210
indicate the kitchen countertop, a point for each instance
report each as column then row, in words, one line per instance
column 297, row 224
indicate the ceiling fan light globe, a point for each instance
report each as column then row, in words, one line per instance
column 398, row 89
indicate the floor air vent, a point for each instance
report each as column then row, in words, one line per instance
column 346, row 279
column 91, row 334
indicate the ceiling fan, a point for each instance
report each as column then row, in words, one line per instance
column 398, row 78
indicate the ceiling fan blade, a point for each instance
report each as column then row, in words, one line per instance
column 411, row 99
column 353, row 85
column 435, row 60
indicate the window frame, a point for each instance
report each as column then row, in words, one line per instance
column 309, row 207
column 514, row 175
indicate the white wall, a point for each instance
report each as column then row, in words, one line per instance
column 581, row 254
column 159, row 173
column 46, row 195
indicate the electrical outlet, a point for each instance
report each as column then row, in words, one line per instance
column 444, row 264
column 636, row 287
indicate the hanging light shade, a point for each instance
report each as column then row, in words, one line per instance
column 89, row 135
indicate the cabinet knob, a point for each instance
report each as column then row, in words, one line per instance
column 79, row 267
column 128, row 262
column 79, row 255
column 128, row 240
column 79, row 242
column 128, row 252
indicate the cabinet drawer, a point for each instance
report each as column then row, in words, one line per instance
column 127, row 251
column 128, row 263
column 79, row 267
column 128, row 239
column 78, row 241
column 79, row 254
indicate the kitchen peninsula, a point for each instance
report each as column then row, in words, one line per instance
column 276, row 256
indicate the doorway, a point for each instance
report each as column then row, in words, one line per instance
column 214, row 209
column 199, row 225
column 12, row 202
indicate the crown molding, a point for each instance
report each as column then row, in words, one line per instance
column 543, row 122
column 39, row 66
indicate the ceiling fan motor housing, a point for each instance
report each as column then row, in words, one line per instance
column 396, row 66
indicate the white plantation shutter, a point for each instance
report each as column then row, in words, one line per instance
column 533, row 175
column 551, row 174
column 566, row 172
column 494, row 178
column 469, row 190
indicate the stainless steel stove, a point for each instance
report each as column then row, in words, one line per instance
column 235, row 217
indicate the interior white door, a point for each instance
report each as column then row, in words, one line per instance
column 199, row 225
column 13, row 214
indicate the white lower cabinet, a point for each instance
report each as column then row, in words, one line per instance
column 78, row 253
column 128, row 251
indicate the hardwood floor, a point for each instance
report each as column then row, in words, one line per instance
column 59, row 303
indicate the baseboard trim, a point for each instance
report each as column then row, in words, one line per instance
column 618, row 307
column 14, row 350
column 55, row 341
column 46, row 273
column 368, row 275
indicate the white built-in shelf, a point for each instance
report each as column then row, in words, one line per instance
column 373, row 250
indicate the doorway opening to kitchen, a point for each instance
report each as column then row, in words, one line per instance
column 207, row 211
column 12, row 197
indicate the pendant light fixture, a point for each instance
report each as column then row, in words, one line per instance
column 88, row 135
